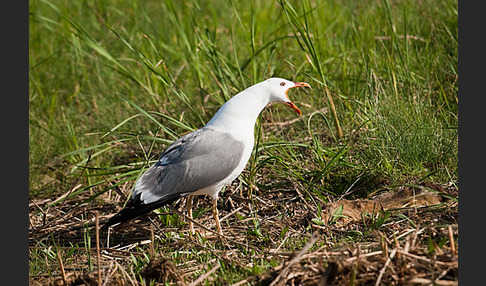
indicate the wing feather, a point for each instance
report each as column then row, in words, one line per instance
column 195, row 161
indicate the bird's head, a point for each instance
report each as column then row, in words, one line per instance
column 279, row 88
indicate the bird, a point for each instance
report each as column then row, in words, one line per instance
column 204, row 161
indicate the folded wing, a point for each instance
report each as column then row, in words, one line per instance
column 197, row 160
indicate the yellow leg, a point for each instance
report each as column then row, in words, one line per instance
column 189, row 213
column 216, row 216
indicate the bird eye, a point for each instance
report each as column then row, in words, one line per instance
column 282, row 83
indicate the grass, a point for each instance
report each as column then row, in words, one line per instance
column 112, row 84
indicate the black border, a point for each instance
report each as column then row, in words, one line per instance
column 15, row 151
column 471, row 113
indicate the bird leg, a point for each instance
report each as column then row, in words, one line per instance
column 216, row 216
column 189, row 213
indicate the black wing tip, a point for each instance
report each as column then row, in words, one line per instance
column 120, row 217
column 135, row 208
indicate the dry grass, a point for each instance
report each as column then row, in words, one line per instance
column 412, row 246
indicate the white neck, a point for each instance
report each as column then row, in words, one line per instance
column 239, row 114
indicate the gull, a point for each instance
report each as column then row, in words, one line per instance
column 204, row 161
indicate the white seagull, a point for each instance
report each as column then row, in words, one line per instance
column 204, row 161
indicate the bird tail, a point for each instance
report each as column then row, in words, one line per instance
column 135, row 208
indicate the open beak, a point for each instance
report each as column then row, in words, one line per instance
column 290, row 103
column 294, row 107
column 302, row 84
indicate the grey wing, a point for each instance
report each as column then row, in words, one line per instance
column 195, row 161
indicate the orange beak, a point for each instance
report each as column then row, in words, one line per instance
column 290, row 103
column 294, row 107
column 302, row 84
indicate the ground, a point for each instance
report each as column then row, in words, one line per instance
column 409, row 238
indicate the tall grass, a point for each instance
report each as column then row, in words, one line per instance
column 112, row 85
